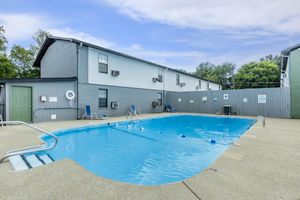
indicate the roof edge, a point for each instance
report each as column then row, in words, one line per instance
column 51, row 39
column 26, row 80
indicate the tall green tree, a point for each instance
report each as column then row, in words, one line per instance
column 7, row 69
column 39, row 38
column 258, row 75
column 222, row 73
column 23, row 60
column 204, row 70
column 3, row 40
column 276, row 59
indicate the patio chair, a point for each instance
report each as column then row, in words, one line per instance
column 88, row 114
column 134, row 110
column 169, row 108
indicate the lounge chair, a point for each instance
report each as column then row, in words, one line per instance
column 134, row 110
column 89, row 115
column 169, row 108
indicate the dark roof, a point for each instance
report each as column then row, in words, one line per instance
column 51, row 39
column 28, row 80
column 285, row 53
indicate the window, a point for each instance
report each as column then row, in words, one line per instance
column 103, row 63
column 160, row 78
column 199, row 84
column 207, row 85
column 284, row 75
column 177, row 79
column 102, row 98
column 160, row 99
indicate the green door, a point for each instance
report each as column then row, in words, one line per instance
column 21, row 104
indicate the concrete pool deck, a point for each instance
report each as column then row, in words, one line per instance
column 264, row 164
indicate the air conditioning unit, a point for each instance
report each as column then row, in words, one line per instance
column 154, row 79
column 115, row 72
column 114, row 104
column 182, row 84
column 160, row 78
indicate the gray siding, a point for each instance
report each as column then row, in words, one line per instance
column 42, row 111
column 83, row 65
column 277, row 103
column 60, row 60
column 126, row 96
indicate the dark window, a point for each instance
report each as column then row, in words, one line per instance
column 199, row 84
column 160, row 99
column 207, row 85
column 160, row 78
column 284, row 75
column 102, row 98
column 177, row 79
column 103, row 63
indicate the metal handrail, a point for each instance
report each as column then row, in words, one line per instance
column 33, row 149
column 263, row 119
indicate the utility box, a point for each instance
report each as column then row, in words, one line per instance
column 227, row 109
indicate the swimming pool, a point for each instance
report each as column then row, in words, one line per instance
column 150, row 152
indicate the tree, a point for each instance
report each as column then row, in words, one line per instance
column 7, row 69
column 276, row 59
column 222, row 73
column 204, row 70
column 23, row 60
column 3, row 40
column 258, row 75
column 39, row 38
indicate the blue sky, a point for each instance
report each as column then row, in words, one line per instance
column 177, row 33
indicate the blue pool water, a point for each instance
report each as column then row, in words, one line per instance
column 150, row 152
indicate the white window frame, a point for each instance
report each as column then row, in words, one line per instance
column 103, row 61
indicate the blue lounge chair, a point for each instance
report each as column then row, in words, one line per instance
column 134, row 110
column 89, row 115
column 169, row 108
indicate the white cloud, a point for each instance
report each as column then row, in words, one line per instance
column 187, row 60
column 22, row 26
column 268, row 15
column 177, row 59
column 71, row 33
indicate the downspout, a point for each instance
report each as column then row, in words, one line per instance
column 281, row 69
column 164, row 89
column 77, row 90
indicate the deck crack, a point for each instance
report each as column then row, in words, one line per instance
column 190, row 189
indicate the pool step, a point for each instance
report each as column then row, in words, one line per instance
column 23, row 162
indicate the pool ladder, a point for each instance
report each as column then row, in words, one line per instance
column 28, row 150
column 262, row 119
